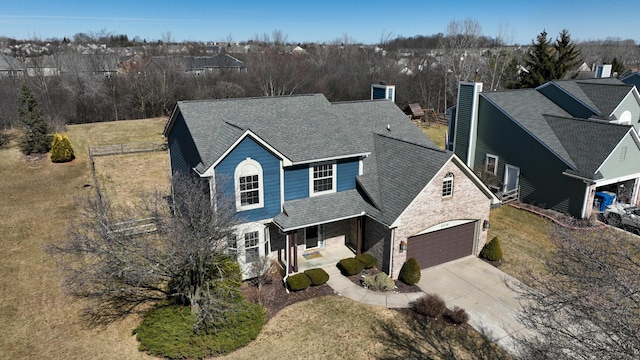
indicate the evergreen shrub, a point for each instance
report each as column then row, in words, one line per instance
column 350, row 266
column 317, row 276
column 298, row 282
column 61, row 150
column 492, row 251
column 167, row 330
column 367, row 260
column 410, row 272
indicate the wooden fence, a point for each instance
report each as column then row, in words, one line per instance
column 101, row 150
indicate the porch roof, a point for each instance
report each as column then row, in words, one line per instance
column 315, row 210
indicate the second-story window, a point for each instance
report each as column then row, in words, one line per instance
column 248, row 185
column 323, row 178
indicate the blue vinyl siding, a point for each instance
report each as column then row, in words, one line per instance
column 379, row 93
column 296, row 182
column 296, row 179
column 183, row 153
column 347, row 172
column 248, row 148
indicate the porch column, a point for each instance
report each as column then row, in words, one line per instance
column 359, row 223
column 295, row 251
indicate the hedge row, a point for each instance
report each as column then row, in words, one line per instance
column 311, row 277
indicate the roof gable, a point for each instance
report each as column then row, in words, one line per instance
column 589, row 142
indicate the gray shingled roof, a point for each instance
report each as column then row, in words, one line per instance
column 527, row 107
column 589, row 142
column 303, row 128
column 404, row 169
column 601, row 95
column 315, row 210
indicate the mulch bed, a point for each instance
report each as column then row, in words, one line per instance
column 400, row 286
column 274, row 297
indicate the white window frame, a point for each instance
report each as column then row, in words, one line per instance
column 248, row 167
column 447, row 185
column 495, row 164
column 251, row 243
column 334, row 176
column 232, row 245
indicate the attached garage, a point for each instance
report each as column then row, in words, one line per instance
column 438, row 247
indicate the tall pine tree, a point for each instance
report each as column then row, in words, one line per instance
column 36, row 137
column 546, row 61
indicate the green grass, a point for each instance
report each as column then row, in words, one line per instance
column 525, row 239
column 436, row 133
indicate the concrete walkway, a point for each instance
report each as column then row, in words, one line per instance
column 469, row 283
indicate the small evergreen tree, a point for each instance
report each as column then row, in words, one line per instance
column 36, row 137
column 492, row 251
column 410, row 272
column 61, row 150
column 566, row 54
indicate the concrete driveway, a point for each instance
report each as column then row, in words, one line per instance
column 481, row 290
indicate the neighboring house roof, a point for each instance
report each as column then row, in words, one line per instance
column 9, row 63
column 589, row 142
column 601, row 95
column 527, row 108
column 571, row 139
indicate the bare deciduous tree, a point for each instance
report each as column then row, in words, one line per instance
column 177, row 252
column 589, row 305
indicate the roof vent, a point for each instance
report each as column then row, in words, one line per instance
column 388, row 127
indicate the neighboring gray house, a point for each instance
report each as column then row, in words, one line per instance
column 309, row 176
column 10, row 66
column 553, row 146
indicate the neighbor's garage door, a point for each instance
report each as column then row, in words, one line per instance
column 440, row 246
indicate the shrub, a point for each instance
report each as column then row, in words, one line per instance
column 456, row 316
column 167, row 330
column 379, row 282
column 4, row 139
column 492, row 250
column 317, row 276
column 410, row 272
column 298, row 282
column 367, row 260
column 61, row 150
column 430, row 305
column 350, row 266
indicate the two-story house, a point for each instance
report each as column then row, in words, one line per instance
column 554, row 146
column 306, row 175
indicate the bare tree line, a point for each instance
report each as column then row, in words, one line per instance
column 425, row 70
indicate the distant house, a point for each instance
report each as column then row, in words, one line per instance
column 632, row 79
column 10, row 66
column 554, row 146
column 308, row 177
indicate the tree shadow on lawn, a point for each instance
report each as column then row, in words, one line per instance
column 420, row 337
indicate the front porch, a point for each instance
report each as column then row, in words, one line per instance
column 321, row 257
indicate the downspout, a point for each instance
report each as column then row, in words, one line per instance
column 393, row 233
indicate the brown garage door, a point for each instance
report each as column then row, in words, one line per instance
column 440, row 246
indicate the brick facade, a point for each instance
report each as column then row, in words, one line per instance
column 430, row 208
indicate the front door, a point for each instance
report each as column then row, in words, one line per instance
column 311, row 237
column 511, row 177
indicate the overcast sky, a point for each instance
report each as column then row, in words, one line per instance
column 315, row 21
